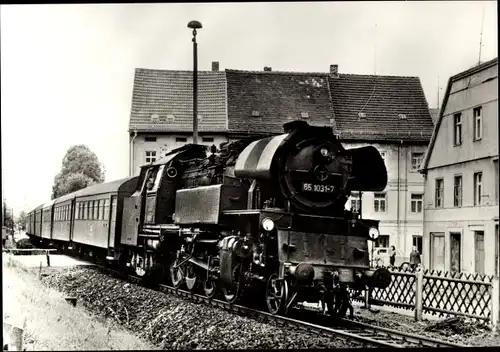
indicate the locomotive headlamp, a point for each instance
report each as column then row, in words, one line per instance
column 373, row 233
column 324, row 152
column 267, row 224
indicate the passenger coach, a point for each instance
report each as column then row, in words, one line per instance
column 85, row 220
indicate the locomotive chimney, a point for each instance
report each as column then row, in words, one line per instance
column 215, row 66
column 268, row 69
column 334, row 71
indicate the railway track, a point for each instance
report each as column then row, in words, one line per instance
column 365, row 333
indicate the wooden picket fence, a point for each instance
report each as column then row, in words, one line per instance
column 471, row 295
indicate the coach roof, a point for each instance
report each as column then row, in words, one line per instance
column 101, row 188
column 49, row 204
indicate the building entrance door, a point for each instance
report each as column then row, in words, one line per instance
column 455, row 248
column 479, row 252
column 437, row 251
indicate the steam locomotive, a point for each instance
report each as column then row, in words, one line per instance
column 260, row 216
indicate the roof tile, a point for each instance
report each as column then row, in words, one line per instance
column 167, row 92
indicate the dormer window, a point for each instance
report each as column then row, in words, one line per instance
column 362, row 115
column 402, row 116
column 155, row 117
column 200, row 117
column 170, row 118
column 304, row 114
column 255, row 113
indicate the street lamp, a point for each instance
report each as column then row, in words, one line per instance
column 195, row 25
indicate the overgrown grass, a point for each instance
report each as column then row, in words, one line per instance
column 51, row 323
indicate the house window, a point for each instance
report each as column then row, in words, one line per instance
column 457, row 191
column 439, row 193
column 355, row 203
column 181, row 139
column 478, row 123
column 478, row 186
column 416, row 160
column 150, row 139
column 208, row 139
column 457, row 119
column 379, row 202
column 383, row 241
column 150, row 156
column 416, row 203
column 479, row 253
column 304, row 115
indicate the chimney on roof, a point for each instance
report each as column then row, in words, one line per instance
column 334, row 71
column 215, row 66
column 268, row 69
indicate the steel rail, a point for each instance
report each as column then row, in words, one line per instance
column 404, row 337
column 361, row 332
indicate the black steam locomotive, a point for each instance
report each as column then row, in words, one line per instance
column 262, row 216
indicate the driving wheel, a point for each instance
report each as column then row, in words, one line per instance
column 176, row 274
column 276, row 294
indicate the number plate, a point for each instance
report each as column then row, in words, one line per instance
column 311, row 187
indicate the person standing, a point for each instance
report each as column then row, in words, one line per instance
column 392, row 256
column 414, row 258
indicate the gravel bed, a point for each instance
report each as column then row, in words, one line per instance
column 173, row 323
column 464, row 332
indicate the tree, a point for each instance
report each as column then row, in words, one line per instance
column 8, row 219
column 21, row 221
column 80, row 168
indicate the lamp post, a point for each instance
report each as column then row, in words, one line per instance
column 195, row 25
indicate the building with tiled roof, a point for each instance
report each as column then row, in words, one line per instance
column 389, row 112
column 161, row 117
column 462, row 176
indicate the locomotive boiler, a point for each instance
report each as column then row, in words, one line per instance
column 260, row 217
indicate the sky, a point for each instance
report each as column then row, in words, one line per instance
column 67, row 70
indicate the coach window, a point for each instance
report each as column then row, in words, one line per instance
column 96, row 209
column 106, row 209
column 89, row 210
column 101, row 209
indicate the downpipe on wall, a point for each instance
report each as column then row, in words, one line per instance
column 130, row 151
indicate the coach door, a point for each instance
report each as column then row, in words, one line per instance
column 112, row 224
